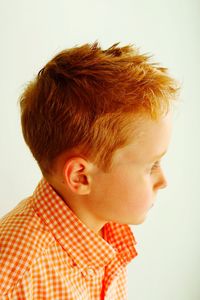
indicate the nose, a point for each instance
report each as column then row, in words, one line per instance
column 161, row 182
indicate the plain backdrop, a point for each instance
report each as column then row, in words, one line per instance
column 32, row 32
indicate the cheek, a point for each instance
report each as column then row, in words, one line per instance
column 124, row 192
column 134, row 191
column 139, row 196
column 138, row 193
column 124, row 197
column 131, row 202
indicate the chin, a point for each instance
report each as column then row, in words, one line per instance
column 138, row 221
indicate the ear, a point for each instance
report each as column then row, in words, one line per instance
column 77, row 175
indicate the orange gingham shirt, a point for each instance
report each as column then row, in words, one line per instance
column 46, row 252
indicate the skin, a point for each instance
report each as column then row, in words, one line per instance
column 126, row 193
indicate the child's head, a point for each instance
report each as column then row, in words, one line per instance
column 90, row 103
column 85, row 98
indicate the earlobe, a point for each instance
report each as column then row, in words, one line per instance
column 76, row 175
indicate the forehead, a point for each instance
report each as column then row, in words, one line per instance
column 151, row 139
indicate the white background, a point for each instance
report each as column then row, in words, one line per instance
column 168, row 242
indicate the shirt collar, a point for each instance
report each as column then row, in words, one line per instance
column 82, row 244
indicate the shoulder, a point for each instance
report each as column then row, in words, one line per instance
column 23, row 238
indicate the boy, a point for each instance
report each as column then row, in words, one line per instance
column 97, row 122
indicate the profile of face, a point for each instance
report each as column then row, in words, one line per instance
column 126, row 192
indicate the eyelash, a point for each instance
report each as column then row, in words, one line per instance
column 155, row 166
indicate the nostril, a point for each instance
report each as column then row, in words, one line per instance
column 164, row 184
column 161, row 184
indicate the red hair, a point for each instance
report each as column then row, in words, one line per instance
column 85, row 98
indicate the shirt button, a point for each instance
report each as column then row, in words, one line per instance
column 90, row 272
